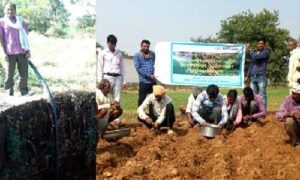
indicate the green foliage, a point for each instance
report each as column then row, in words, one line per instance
column 37, row 16
column 205, row 40
column 247, row 27
column 42, row 15
column 51, row 18
column 87, row 20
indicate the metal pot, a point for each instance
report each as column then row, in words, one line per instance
column 115, row 135
column 210, row 130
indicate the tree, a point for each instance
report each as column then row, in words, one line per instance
column 205, row 40
column 247, row 27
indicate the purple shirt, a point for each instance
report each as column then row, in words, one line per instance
column 262, row 110
column 287, row 106
column 10, row 38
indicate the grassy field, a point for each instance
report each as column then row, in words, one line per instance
column 275, row 94
column 64, row 63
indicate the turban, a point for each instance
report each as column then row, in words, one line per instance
column 158, row 90
column 295, row 87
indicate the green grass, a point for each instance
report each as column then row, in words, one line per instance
column 275, row 94
column 64, row 63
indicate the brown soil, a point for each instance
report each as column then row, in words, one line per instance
column 255, row 152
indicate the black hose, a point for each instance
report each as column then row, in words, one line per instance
column 53, row 114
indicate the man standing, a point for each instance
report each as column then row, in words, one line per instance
column 111, row 67
column 15, row 46
column 289, row 113
column 257, row 71
column 144, row 65
column 294, row 63
column 209, row 108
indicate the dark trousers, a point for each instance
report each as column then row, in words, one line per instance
column 249, row 108
column 211, row 114
column 144, row 90
column 22, row 63
column 168, row 120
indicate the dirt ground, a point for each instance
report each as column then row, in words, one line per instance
column 255, row 152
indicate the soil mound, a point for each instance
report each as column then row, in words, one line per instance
column 260, row 151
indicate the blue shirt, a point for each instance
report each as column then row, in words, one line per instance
column 259, row 62
column 144, row 67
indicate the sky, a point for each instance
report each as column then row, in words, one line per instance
column 80, row 8
column 179, row 20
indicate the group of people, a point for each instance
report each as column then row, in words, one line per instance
column 209, row 106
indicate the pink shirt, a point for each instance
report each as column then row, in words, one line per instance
column 110, row 62
column 10, row 38
column 258, row 99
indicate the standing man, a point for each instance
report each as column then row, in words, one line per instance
column 144, row 64
column 15, row 46
column 111, row 67
column 257, row 72
column 294, row 63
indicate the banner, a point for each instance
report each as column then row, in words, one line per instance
column 200, row 64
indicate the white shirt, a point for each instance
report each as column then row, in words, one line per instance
column 102, row 102
column 189, row 105
column 110, row 62
column 159, row 108
column 203, row 100
column 294, row 62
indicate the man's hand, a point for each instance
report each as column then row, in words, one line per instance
column 206, row 123
column 124, row 86
column 115, row 105
column 152, row 77
column 27, row 54
column 149, row 121
column 246, row 80
column 196, row 126
column 248, row 47
column 155, row 125
column 247, row 118
column 296, row 115
column 6, row 58
column 190, row 118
